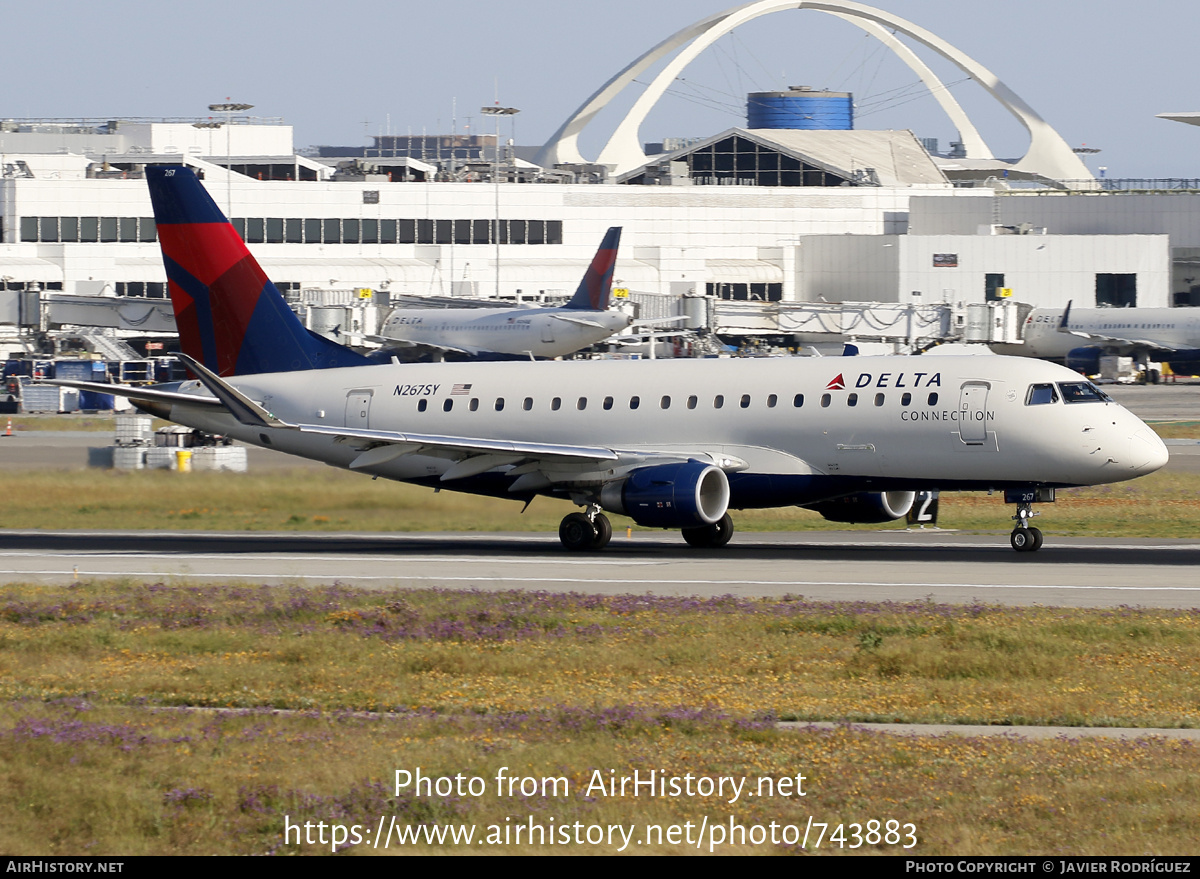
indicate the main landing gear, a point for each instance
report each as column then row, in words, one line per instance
column 1025, row 537
column 591, row 529
column 712, row 536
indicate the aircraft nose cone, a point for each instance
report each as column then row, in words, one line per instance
column 1147, row 452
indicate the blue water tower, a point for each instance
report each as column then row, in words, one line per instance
column 801, row 108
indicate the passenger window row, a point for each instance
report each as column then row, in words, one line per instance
column 664, row 402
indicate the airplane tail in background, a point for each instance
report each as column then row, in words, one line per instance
column 229, row 315
column 596, row 286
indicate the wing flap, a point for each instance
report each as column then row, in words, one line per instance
column 465, row 446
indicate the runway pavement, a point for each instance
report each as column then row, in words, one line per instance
column 894, row 565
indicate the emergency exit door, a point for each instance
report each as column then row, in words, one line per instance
column 972, row 413
column 358, row 409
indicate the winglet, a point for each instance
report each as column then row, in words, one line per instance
column 245, row 410
column 229, row 315
column 1063, row 324
column 595, row 288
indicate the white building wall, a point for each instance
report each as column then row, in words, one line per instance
column 689, row 224
column 1174, row 214
column 848, row 268
column 1042, row 270
column 183, row 137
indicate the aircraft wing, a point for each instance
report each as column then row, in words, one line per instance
column 534, row 466
column 394, row 342
column 1158, row 344
column 463, row 445
column 1064, row 326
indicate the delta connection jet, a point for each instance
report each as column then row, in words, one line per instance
column 1078, row 337
column 671, row 443
column 494, row 333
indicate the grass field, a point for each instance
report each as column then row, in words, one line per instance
column 1159, row 505
column 143, row 718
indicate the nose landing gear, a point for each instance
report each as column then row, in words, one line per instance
column 1025, row 537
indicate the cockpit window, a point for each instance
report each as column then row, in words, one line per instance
column 1082, row 392
column 1039, row 395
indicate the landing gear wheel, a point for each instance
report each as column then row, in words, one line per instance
column 1026, row 539
column 603, row 529
column 576, row 532
column 712, row 536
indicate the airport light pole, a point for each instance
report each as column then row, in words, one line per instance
column 496, row 112
column 229, row 109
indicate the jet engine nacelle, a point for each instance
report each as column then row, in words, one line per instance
column 866, row 508
column 1085, row 360
column 670, row 495
column 1185, row 362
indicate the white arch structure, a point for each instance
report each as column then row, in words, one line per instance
column 1048, row 154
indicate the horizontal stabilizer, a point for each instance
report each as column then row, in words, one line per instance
column 149, row 395
column 245, row 410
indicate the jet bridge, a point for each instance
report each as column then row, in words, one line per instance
column 907, row 327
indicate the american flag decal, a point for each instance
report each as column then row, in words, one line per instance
column 460, row 390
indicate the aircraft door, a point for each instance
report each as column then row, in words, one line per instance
column 548, row 330
column 972, row 413
column 358, row 409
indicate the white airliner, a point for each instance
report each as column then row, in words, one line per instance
column 672, row 444
column 1079, row 336
column 489, row 333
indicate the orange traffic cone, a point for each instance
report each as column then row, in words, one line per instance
column 8, row 430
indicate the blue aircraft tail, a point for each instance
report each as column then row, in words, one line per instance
column 596, row 286
column 230, row 316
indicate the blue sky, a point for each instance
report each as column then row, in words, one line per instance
column 1097, row 71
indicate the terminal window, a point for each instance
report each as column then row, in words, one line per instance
column 1116, row 290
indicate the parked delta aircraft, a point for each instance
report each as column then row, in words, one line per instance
column 670, row 443
column 1079, row 336
column 491, row 333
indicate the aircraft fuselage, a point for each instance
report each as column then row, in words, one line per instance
column 802, row 428
column 524, row 332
